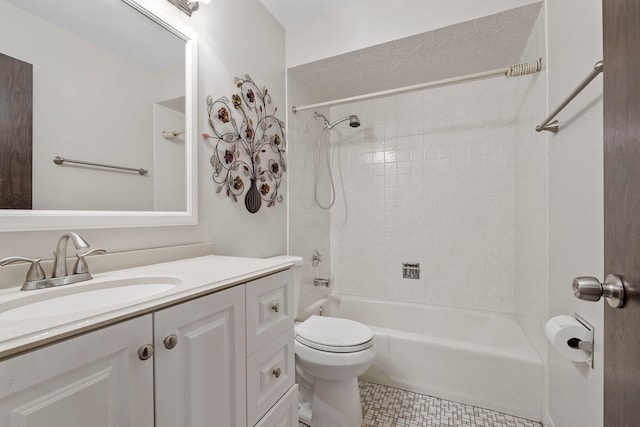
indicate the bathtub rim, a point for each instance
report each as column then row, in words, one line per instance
column 526, row 350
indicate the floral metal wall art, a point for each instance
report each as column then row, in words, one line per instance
column 249, row 145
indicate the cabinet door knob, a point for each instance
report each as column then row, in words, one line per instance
column 145, row 352
column 276, row 307
column 171, row 341
column 276, row 372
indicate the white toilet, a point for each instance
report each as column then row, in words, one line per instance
column 330, row 354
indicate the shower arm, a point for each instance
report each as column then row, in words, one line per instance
column 328, row 125
column 344, row 119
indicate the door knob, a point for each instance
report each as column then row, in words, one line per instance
column 590, row 289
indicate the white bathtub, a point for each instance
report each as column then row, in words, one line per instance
column 474, row 357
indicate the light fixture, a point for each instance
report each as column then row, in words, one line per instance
column 187, row 6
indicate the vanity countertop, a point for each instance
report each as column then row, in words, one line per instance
column 194, row 277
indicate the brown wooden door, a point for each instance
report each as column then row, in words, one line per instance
column 622, row 208
column 16, row 105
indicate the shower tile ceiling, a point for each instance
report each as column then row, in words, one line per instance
column 483, row 44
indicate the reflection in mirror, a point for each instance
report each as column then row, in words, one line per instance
column 104, row 84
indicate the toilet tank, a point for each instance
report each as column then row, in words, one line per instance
column 297, row 277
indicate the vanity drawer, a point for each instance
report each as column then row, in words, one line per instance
column 269, row 308
column 270, row 373
column 284, row 413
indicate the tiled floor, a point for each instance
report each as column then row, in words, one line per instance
column 384, row 406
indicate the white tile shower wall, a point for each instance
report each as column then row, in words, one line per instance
column 428, row 178
column 308, row 224
column 531, row 193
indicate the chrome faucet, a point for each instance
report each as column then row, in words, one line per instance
column 60, row 255
column 36, row 278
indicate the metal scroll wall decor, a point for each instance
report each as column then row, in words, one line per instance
column 249, row 145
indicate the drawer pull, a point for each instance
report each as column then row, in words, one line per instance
column 171, row 341
column 145, row 352
column 276, row 307
column 276, row 372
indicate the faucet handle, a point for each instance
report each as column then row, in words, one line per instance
column 35, row 271
column 81, row 266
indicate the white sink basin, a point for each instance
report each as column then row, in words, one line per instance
column 77, row 299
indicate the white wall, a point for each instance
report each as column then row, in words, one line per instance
column 169, row 84
column 372, row 22
column 575, row 392
column 228, row 47
column 531, row 197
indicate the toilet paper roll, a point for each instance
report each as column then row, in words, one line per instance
column 561, row 329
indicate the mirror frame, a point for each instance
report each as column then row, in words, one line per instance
column 34, row 220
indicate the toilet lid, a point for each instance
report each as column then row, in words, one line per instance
column 334, row 334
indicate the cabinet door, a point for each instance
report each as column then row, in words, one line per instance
column 96, row 380
column 201, row 381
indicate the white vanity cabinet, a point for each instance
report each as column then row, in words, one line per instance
column 199, row 361
column 272, row 398
column 96, row 380
column 199, row 371
column 196, row 369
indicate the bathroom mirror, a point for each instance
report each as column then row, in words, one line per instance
column 111, row 89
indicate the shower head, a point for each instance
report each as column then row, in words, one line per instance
column 354, row 121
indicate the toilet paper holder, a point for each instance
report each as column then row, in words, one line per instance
column 586, row 346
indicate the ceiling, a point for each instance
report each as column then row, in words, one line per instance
column 292, row 12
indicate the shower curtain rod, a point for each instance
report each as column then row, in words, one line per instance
column 515, row 70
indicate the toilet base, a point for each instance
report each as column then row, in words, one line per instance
column 333, row 404
column 304, row 413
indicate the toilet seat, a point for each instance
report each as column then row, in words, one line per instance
column 334, row 335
